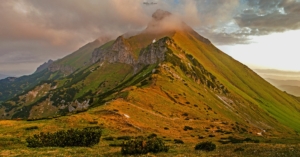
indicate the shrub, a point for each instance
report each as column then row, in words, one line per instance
column 206, row 146
column 185, row 114
column 116, row 145
column 143, row 146
column 235, row 140
column 32, row 128
column 152, row 135
column 73, row 137
column 239, row 149
column 109, row 138
column 94, row 122
column 178, row 141
column 124, row 138
column 186, row 128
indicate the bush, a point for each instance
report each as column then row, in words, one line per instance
column 206, row 146
column 73, row 137
column 235, row 140
column 152, row 135
column 32, row 128
column 239, row 149
column 124, row 138
column 109, row 138
column 116, row 145
column 178, row 141
column 143, row 146
column 186, row 128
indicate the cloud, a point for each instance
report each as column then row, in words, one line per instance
column 265, row 17
column 43, row 29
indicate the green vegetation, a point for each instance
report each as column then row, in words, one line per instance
column 79, row 58
column 32, row 128
column 206, row 146
column 73, row 137
column 143, row 145
column 11, row 88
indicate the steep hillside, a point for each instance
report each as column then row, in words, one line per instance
column 168, row 80
column 77, row 59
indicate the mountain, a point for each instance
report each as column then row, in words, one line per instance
column 2, row 76
column 162, row 80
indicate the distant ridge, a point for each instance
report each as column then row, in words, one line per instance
column 2, row 76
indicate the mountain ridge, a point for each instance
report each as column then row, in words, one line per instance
column 168, row 78
column 2, row 76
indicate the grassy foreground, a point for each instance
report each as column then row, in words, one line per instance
column 13, row 136
column 18, row 148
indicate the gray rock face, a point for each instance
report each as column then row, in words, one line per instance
column 62, row 68
column 154, row 53
column 121, row 52
column 44, row 66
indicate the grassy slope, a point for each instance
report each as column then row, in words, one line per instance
column 116, row 74
column 243, row 81
column 80, row 57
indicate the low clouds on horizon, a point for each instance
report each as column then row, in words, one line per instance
column 34, row 31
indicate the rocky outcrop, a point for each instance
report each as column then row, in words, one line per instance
column 63, row 68
column 121, row 52
column 153, row 53
column 77, row 106
column 44, row 66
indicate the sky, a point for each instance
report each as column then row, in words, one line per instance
column 262, row 34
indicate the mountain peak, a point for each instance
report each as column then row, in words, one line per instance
column 163, row 21
column 160, row 14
